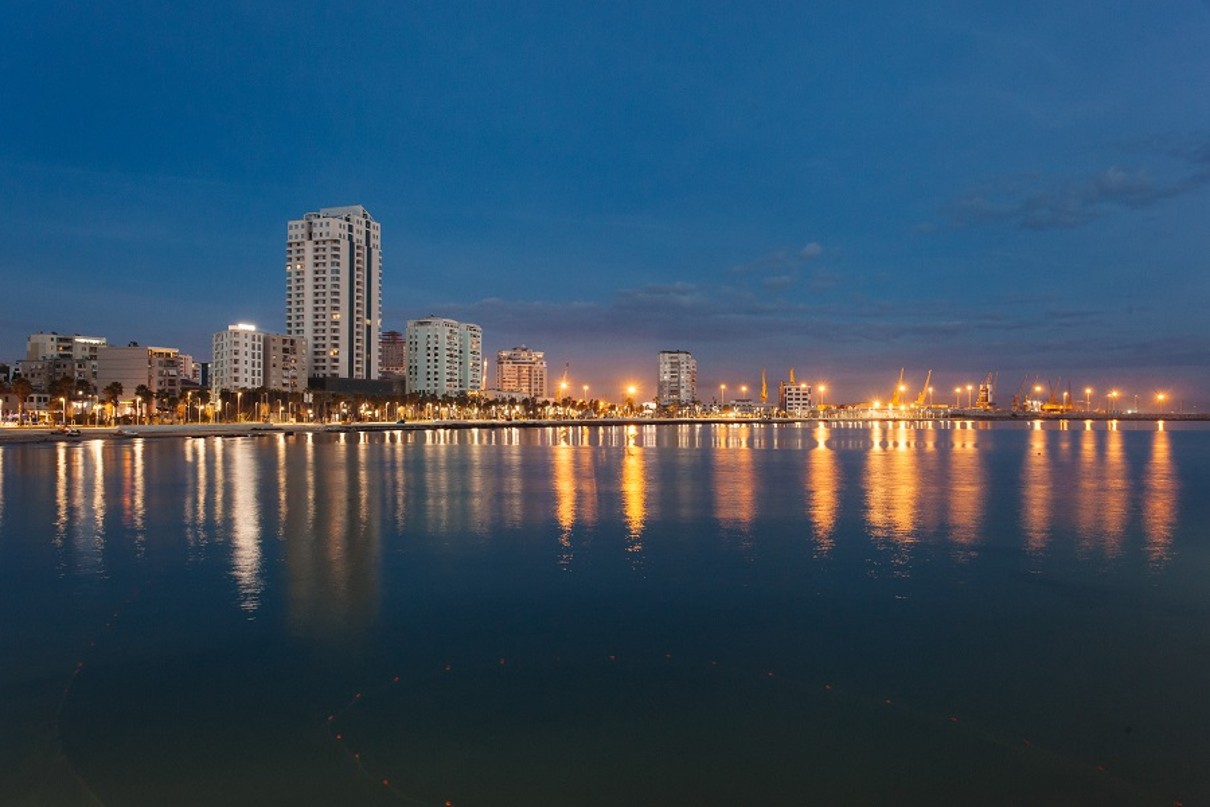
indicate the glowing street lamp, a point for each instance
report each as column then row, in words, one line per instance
column 1113, row 395
column 957, row 399
column 1088, row 399
column 722, row 394
column 822, row 389
column 930, row 397
column 63, row 406
column 743, row 389
column 969, row 402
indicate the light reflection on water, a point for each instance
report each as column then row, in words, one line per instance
column 431, row 544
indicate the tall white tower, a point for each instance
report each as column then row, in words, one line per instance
column 334, row 290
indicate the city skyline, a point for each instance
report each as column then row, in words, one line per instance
column 840, row 192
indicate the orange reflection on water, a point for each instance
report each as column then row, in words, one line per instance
column 892, row 486
column 823, row 491
column 564, row 478
column 1160, row 500
column 967, row 489
column 734, row 480
column 1036, row 491
column 634, row 496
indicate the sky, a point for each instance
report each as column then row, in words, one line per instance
column 845, row 189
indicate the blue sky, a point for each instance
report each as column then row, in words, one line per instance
column 1021, row 188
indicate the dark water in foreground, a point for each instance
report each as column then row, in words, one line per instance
column 664, row 615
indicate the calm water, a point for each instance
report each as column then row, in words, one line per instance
column 749, row 614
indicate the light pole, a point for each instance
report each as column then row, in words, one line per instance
column 969, row 401
column 1088, row 399
column 63, row 406
column 822, row 389
column 957, row 399
column 1159, row 401
column 239, row 409
column 722, row 395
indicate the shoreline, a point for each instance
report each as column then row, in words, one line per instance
column 41, row 434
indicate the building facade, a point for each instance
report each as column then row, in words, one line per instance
column 157, row 368
column 521, row 372
column 245, row 358
column 334, row 290
column 50, row 356
column 445, row 357
column 393, row 355
column 677, row 383
column 795, row 399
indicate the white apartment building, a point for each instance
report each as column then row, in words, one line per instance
column 334, row 290
column 795, row 399
column 50, row 356
column 445, row 357
column 521, row 372
column 61, row 346
column 677, row 383
column 245, row 358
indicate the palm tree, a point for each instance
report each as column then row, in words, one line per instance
column 144, row 394
column 22, row 389
column 113, row 394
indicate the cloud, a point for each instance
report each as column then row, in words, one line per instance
column 1036, row 202
column 811, row 251
column 781, row 261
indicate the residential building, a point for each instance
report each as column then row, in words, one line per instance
column 445, row 357
column 50, row 356
column 521, row 372
column 157, row 368
column 392, row 355
column 245, row 358
column 794, row 399
column 677, row 383
column 334, row 290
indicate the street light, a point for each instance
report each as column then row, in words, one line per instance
column 957, row 399
column 969, row 401
column 722, row 394
column 930, row 397
column 239, row 409
column 822, row 389
column 1159, row 400
column 1088, row 399
column 1113, row 395
column 63, row 406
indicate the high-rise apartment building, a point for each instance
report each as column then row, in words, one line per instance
column 245, row 358
column 445, row 357
column 677, row 382
column 334, row 290
column 521, row 371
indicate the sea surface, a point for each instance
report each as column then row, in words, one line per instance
column 878, row 613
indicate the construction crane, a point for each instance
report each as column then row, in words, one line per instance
column 924, row 392
column 899, row 387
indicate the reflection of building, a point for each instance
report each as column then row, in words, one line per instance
column 245, row 358
column 795, row 399
column 521, row 371
column 444, row 357
column 157, row 368
column 393, row 355
column 678, row 377
column 334, row 290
